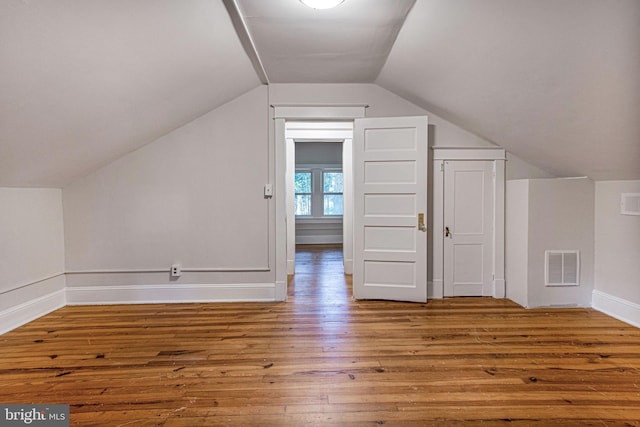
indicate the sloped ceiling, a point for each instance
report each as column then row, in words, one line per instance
column 83, row 82
column 554, row 82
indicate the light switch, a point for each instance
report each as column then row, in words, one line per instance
column 268, row 190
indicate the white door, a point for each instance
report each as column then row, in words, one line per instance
column 468, row 234
column 390, row 204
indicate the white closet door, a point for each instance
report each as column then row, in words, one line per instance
column 468, row 233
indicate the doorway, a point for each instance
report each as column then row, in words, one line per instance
column 390, row 191
column 468, row 221
column 319, row 276
column 318, row 176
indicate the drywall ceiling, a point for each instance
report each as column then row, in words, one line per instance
column 554, row 82
column 84, row 82
column 347, row 44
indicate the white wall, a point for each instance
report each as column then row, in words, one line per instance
column 559, row 216
column 516, row 168
column 517, row 241
column 193, row 197
column 381, row 103
column 31, row 254
column 617, row 267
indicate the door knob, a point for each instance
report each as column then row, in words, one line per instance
column 421, row 225
column 447, row 233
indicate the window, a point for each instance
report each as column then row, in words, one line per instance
column 319, row 192
column 332, row 193
column 303, row 187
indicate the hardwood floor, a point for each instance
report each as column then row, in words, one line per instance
column 323, row 359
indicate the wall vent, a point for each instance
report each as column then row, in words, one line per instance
column 630, row 204
column 562, row 268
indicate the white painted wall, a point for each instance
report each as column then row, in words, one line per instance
column 31, row 254
column 381, row 102
column 560, row 215
column 193, row 197
column 617, row 267
column 517, row 241
column 519, row 169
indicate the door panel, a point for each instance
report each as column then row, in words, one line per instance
column 390, row 205
column 390, row 172
column 390, row 190
column 390, row 239
column 389, row 274
column 468, row 216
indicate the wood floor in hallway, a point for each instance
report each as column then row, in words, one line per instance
column 323, row 359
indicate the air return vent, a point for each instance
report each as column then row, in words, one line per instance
column 562, row 268
column 630, row 204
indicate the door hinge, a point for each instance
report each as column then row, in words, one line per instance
column 442, row 167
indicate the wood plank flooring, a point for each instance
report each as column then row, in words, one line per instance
column 323, row 359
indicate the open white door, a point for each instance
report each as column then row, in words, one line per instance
column 390, row 204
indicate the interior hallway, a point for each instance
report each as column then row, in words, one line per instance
column 319, row 276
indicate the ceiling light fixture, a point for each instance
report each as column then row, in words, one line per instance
column 321, row 4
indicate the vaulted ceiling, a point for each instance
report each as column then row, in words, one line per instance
column 556, row 82
column 83, row 82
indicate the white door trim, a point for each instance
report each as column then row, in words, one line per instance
column 498, row 156
column 280, row 114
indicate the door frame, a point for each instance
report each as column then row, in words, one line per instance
column 498, row 156
column 281, row 113
column 320, row 131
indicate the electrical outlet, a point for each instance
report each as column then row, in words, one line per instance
column 176, row 270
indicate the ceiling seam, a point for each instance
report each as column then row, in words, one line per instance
column 249, row 46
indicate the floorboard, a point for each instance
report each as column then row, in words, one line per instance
column 323, row 359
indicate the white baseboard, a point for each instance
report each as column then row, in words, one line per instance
column 621, row 309
column 26, row 312
column 281, row 291
column 499, row 288
column 172, row 293
column 435, row 289
column 348, row 266
column 319, row 240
